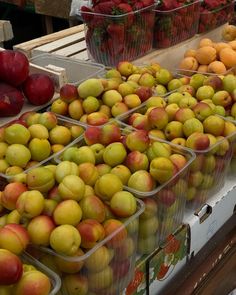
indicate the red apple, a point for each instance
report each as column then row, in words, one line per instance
column 14, row 67
column 38, row 89
column 11, row 100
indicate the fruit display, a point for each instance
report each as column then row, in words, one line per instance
column 152, row 170
column 96, row 100
column 17, row 85
column 76, row 223
column 22, row 275
column 33, row 139
column 192, row 117
column 209, row 57
column 118, row 31
column 214, row 14
column 175, row 21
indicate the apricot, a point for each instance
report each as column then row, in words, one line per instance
column 188, row 63
column 205, row 42
column 216, row 67
column 229, row 32
column 228, row 57
column 233, row 44
column 219, row 46
column 190, row 53
column 205, row 55
column 202, row 69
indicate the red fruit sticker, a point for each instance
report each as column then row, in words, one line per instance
column 163, row 271
column 137, row 280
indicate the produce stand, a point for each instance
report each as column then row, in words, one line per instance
column 200, row 229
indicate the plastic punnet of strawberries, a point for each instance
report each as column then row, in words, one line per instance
column 118, row 29
column 175, row 21
column 214, row 13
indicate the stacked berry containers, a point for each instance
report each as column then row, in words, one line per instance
column 117, row 32
column 213, row 14
column 176, row 23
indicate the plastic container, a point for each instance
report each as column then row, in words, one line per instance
column 76, row 70
column 176, row 25
column 54, row 278
column 209, row 170
column 114, row 38
column 182, row 72
column 165, row 203
column 5, row 178
column 97, row 272
column 210, row 20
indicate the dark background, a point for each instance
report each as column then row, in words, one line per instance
column 26, row 24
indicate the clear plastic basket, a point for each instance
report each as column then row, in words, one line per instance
column 163, row 218
column 4, row 178
column 214, row 171
column 76, row 70
column 176, row 25
column 97, row 274
column 210, row 20
column 188, row 73
column 114, row 38
column 54, row 278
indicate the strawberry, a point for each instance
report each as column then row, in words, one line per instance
column 138, row 5
column 85, row 15
column 147, row 3
column 124, row 8
column 105, row 7
column 116, row 38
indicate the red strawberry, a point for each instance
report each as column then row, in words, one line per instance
column 116, row 31
column 85, row 15
column 124, row 8
column 138, row 5
column 105, row 7
column 147, row 3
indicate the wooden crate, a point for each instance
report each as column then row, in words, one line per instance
column 69, row 42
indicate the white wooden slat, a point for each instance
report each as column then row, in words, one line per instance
column 72, row 49
column 55, row 45
column 83, row 55
column 28, row 46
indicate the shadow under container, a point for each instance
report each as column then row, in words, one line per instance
column 54, row 278
column 114, row 38
column 176, row 25
column 212, row 19
column 6, row 178
column 208, row 171
column 105, row 269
